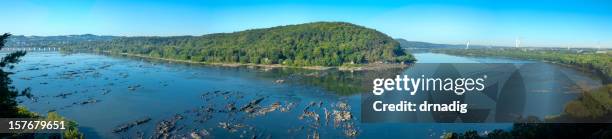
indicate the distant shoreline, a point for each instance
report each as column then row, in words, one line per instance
column 586, row 67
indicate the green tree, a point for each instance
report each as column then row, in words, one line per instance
column 9, row 107
column 8, row 93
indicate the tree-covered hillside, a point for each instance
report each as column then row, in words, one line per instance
column 310, row 44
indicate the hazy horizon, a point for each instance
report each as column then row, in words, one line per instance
column 542, row 24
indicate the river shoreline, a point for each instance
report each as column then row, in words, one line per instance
column 605, row 79
column 594, row 73
column 361, row 67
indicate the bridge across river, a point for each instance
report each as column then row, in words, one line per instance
column 31, row 49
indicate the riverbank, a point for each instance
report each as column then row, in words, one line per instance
column 599, row 64
column 346, row 67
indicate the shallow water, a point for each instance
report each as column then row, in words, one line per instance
column 123, row 89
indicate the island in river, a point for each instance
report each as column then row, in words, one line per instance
column 326, row 44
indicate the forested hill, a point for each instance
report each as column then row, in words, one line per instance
column 424, row 45
column 310, row 44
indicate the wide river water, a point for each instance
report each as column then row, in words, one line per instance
column 101, row 92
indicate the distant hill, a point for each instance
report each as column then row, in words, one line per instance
column 310, row 44
column 54, row 41
column 424, row 45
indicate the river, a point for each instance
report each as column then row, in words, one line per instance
column 101, row 92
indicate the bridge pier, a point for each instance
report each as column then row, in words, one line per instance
column 31, row 49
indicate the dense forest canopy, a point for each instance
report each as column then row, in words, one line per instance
column 310, row 44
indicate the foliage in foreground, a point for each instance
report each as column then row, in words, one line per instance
column 594, row 106
column 8, row 93
column 591, row 105
column 10, row 109
column 540, row 131
column 71, row 132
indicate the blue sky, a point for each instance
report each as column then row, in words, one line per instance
column 578, row 23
